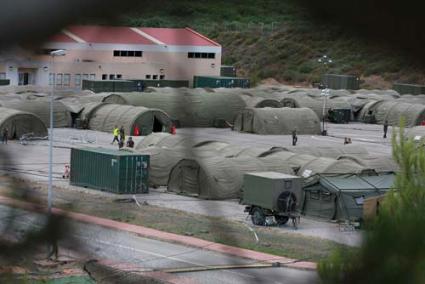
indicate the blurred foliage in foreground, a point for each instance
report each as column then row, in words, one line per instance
column 394, row 244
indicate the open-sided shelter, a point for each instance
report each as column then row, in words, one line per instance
column 341, row 197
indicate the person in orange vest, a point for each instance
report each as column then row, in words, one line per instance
column 173, row 130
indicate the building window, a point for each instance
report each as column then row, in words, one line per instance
column 111, row 77
column 161, row 77
column 148, row 76
column 128, row 53
column 155, row 77
column 59, row 79
column 119, row 76
column 104, row 76
column 85, row 76
column 51, row 78
column 2, row 75
column 66, row 79
column 92, row 76
column 77, row 80
column 203, row 55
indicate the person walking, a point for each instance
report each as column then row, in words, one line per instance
column 5, row 135
column 122, row 134
column 116, row 133
column 130, row 142
column 294, row 137
column 385, row 128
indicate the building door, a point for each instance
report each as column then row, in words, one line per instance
column 26, row 76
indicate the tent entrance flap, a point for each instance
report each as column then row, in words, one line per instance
column 157, row 125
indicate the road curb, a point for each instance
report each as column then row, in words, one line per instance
column 165, row 236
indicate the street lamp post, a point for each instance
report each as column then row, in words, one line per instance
column 325, row 61
column 53, row 54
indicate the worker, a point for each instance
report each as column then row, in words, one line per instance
column 347, row 140
column 116, row 133
column 130, row 142
column 67, row 171
column 5, row 135
column 136, row 131
column 173, row 129
column 122, row 134
column 120, row 144
column 385, row 128
column 294, row 137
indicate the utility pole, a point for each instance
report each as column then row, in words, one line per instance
column 325, row 61
column 53, row 54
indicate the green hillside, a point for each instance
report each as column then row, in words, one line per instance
column 282, row 40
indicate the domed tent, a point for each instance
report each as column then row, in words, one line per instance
column 380, row 164
column 192, row 108
column 392, row 111
column 41, row 108
column 105, row 116
column 328, row 152
column 214, row 177
column 330, row 166
column 167, row 140
column 259, row 102
column 19, row 123
column 278, row 121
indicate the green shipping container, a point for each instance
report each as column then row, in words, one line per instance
column 99, row 86
column 4, row 82
column 338, row 82
column 219, row 82
column 411, row 89
column 142, row 84
column 110, row 170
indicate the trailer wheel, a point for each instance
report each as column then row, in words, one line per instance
column 258, row 218
column 281, row 220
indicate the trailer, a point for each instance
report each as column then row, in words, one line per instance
column 272, row 198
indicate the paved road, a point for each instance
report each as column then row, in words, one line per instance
column 100, row 243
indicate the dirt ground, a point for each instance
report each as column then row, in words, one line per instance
column 30, row 162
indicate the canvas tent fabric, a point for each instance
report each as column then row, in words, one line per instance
column 192, row 108
column 323, row 165
column 41, row 108
column 416, row 133
column 380, row 164
column 341, row 197
column 392, row 111
column 277, row 121
column 328, row 152
column 19, row 123
column 214, row 177
column 167, row 140
column 106, row 116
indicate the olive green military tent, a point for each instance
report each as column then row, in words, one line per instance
column 323, row 165
column 214, row 177
column 341, row 197
column 416, row 133
column 192, row 108
column 41, row 108
column 327, row 151
column 380, row 164
column 277, row 121
column 19, row 123
column 103, row 117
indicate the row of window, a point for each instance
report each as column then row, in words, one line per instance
column 111, row 76
column 202, row 55
column 65, row 79
column 154, row 77
column 128, row 53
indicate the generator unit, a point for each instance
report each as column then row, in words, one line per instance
column 272, row 197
